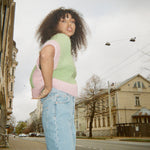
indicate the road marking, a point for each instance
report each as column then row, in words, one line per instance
column 80, row 145
column 91, row 148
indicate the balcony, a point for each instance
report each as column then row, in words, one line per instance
column 11, row 95
column 9, row 111
column 15, row 63
column 12, row 78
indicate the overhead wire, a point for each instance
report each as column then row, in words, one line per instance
column 116, row 66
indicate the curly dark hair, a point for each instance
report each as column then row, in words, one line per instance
column 49, row 27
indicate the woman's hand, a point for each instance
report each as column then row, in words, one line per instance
column 44, row 93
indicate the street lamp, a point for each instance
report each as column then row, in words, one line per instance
column 107, row 44
column 132, row 39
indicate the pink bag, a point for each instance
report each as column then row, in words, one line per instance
column 36, row 81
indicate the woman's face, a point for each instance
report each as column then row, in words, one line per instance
column 67, row 25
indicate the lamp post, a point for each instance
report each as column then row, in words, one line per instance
column 133, row 39
column 110, row 120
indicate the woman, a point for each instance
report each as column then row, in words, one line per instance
column 61, row 34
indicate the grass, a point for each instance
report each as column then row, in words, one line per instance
column 94, row 138
column 107, row 138
column 136, row 140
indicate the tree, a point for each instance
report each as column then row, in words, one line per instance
column 20, row 127
column 12, row 124
column 90, row 97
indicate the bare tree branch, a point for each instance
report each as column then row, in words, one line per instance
column 90, row 98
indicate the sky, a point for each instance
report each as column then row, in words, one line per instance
column 113, row 21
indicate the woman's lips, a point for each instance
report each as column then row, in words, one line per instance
column 69, row 29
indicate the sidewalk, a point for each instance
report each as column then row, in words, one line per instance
column 21, row 144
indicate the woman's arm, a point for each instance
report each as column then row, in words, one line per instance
column 47, row 65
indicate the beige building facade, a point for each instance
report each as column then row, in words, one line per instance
column 36, row 117
column 8, row 65
column 129, row 103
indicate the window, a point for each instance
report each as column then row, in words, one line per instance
column 95, row 125
column 13, row 55
column 148, row 119
column 13, row 71
column 87, row 122
column 137, row 101
column 145, row 120
column 113, row 100
column 143, row 85
column 103, row 122
column 139, row 84
column 107, row 102
column 76, row 112
column 108, row 121
column 137, row 120
column 140, row 120
column 99, row 122
column 114, row 120
column 135, row 85
column 11, row 86
column 77, row 124
column 10, row 103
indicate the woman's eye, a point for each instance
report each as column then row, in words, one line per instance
column 73, row 21
column 63, row 21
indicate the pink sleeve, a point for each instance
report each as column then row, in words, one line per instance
column 57, row 50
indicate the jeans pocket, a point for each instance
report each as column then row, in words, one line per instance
column 47, row 96
column 62, row 98
column 43, row 99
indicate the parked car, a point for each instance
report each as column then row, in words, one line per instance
column 40, row 135
column 22, row 135
column 32, row 134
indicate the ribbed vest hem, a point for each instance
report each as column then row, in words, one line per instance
column 69, row 88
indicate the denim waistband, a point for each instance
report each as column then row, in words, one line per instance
column 56, row 91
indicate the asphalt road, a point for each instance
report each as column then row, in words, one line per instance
column 110, row 145
column 85, row 144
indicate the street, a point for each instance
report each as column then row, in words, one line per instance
column 110, row 145
column 38, row 143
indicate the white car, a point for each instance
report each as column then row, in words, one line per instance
column 22, row 135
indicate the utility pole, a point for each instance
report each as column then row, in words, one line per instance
column 109, row 100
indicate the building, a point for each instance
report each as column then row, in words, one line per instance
column 36, row 118
column 8, row 64
column 129, row 109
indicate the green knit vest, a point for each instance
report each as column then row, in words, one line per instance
column 65, row 69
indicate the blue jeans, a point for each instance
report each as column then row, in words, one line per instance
column 58, row 120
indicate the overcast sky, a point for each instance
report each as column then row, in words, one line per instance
column 114, row 21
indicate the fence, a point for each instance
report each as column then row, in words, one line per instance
column 133, row 129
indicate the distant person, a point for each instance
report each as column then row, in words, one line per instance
column 61, row 34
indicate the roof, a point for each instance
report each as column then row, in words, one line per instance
column 142, row 112
column 126, row 81
column 115, row 87
column 123, row 83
